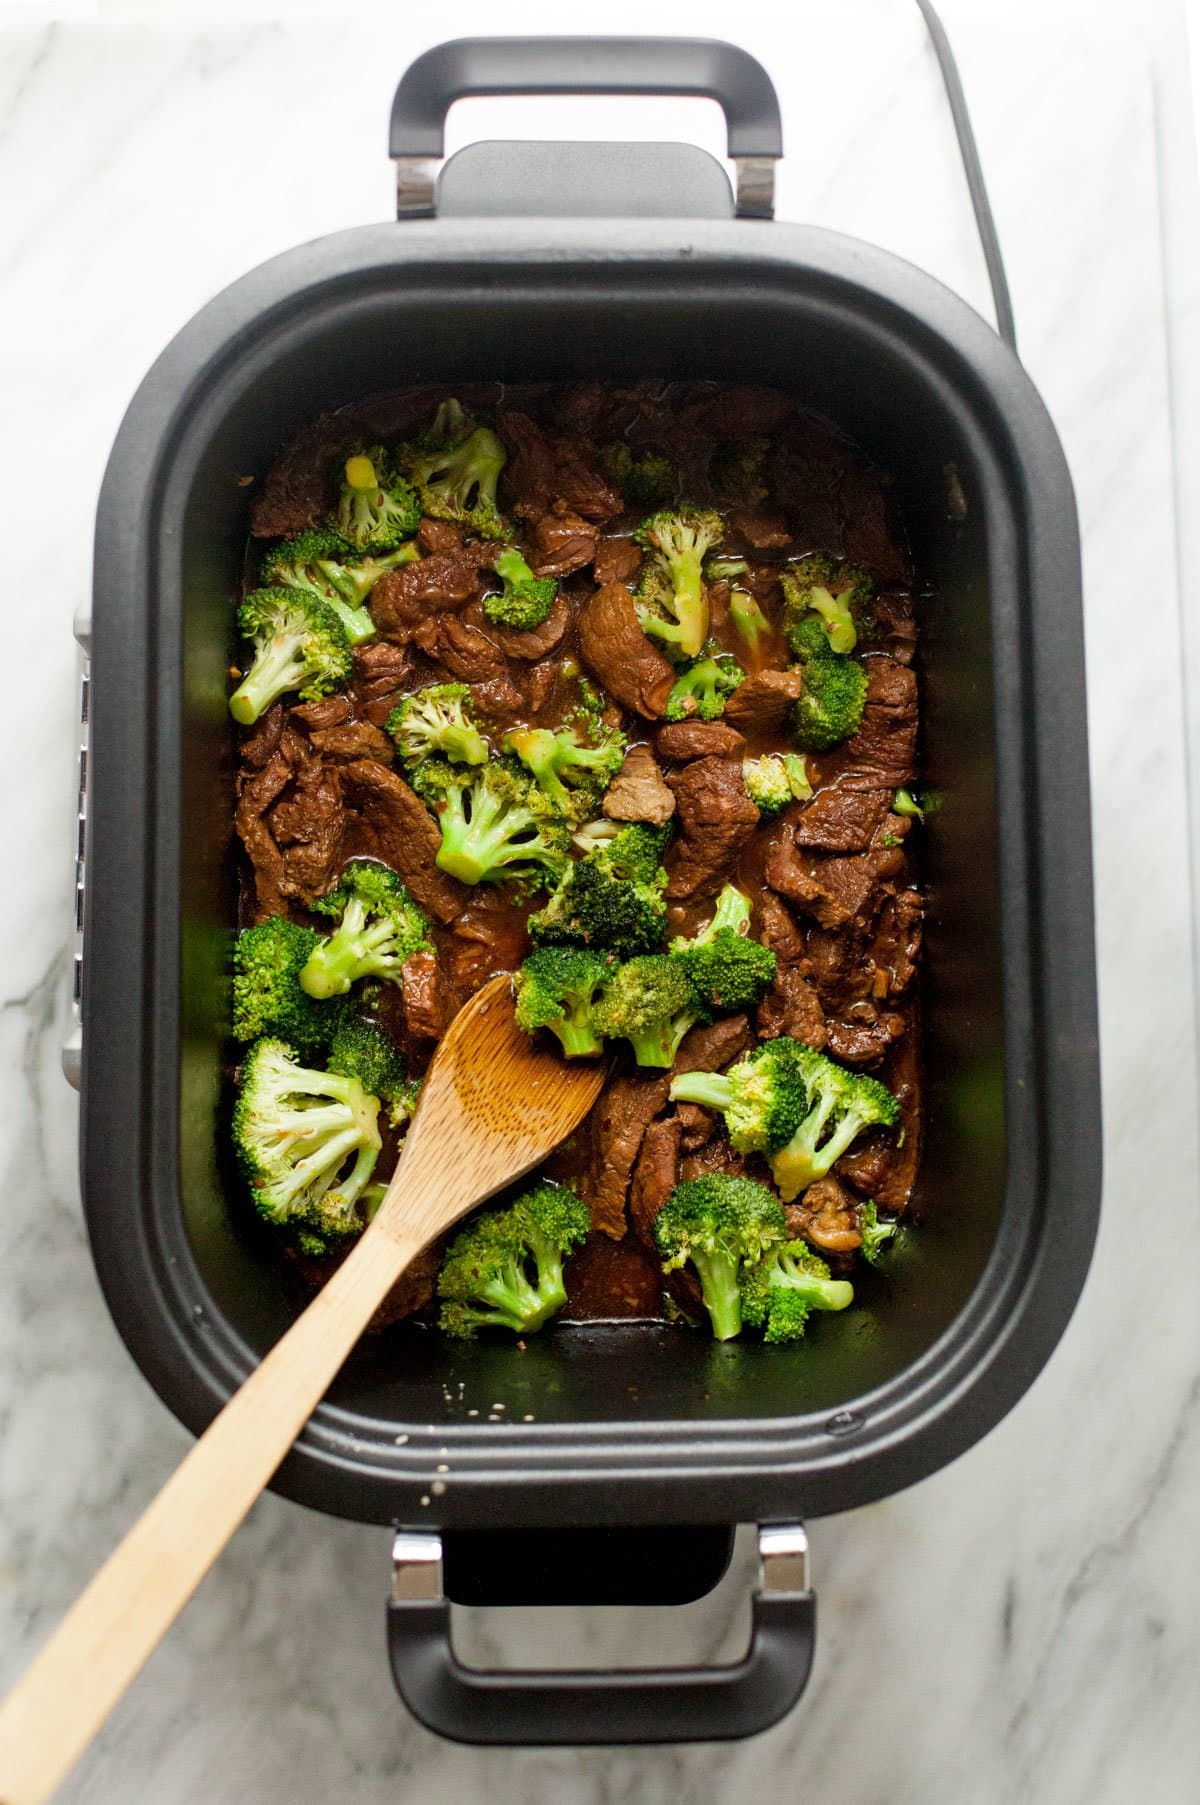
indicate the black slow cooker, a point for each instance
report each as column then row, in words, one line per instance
column 605, row 1462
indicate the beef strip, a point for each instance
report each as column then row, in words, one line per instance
column 827, row 1217
column 488, row 937
column 680, row 741
column 655, row 1175
column 392, row 823
column 562, row 542
column 893, row 626
column 867, row 536
column 733, row 412
column 897, row 944
column 883, row 1162
column 429, row 1004
column 619, row 1120
column 545, row 470
column 883, row 753
column 327, row 711
column 439, row 537
column 764, row 531
column 761, row 705
column 403, row 598
column 715, row 819
column 715, row 1156
column 616, row 560
column 620, row 656
column 301, row 485
column 696, row 1126
column 357, row 739
column 379, row 662
column 531, row 644
column 840, row 820
column 310, row 823
column 465, row 651
column 638, row 792
column 258, row 747
column 257, row 790
column 712, row 1046
column 833, row 889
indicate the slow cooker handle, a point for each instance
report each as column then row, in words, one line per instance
column 585, row 1708
column 468, row 68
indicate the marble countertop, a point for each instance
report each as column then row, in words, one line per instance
column 1025, row 1626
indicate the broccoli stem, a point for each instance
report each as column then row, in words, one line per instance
column 348, row 954
column 579, row 1040
column 710, row 1089
column 721, row 1292
column 471, row 850
column 517, row 1303
column 357, row 622
column 277, row 668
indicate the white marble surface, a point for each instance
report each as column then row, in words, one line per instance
column 1022, row 1627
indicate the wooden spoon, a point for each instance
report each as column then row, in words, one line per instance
column 492, row 1106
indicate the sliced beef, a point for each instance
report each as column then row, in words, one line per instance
column 301, row 485
column 497, row 700
column 392, row 823
column 761, row 705
column 257, row 790
column 764, row 531
column 616, row 560
column 883, row 1162
column 715, row 1156
column 712, row 1046
column 883, row 753
column 792, row 1007
column 429, row 1003
column 655, row 1175
column 530, row 644
column 868, row 538
column 379, row 662
column 439, row 537
column 840, row 820
column 404, row 597
column 826, row 1216
column 545, row 469
column 562, row 542
column 488, row 937
column 638, row 792
column 715, row 818
column 865, row 1035
column 465, row 651
column 773, row 925
column 328, row 711
column 310, row 824
column 680, row 741
column 541, row 680
column 620, row 656
column 834, row 890
column 358, row 739
column 617, row 1125
column 897, row 944
column 893, row 625
column 259, row 746
column 696, row 1126
column 731, row 412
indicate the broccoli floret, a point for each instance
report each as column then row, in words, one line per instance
column 723, row 1226
column 786, row 1286
column 775, row 780
column 299, row 643
column 905, row 803
column 651, row 1003
column 737, row 471
column 360, row 1049
column 721, row 570
column 876, row 1232
column 505, row 1270
column 808, row 639
column 700, row 690
column 455, row 469
column 295, row 1132
column 376, row 508
column 322, row 561
column 437, row 719
column 838, row 1106
column 675, row 608
column 831, row 705
column 646, row 481
column 379, row 927
column 763, row 1097
column 750, row 621
column 726, row 970
column 557, row 760
column 495, row 823
column 267, row 998
column 557, row 987
column 526, row 600
column 612, row 899
column 731, row 914
column 836, row 592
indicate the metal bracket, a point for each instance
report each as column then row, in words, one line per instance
column 417, row 187
column 72, row 1053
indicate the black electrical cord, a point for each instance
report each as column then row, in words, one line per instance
column 1001, row 299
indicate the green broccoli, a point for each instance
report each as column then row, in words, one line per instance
column 557, row 760
column 876, row 1232
column 763, row 1097
column 267, row 998
column 651, row 1003
column 505, row 1269
column 775, row 780
column 322, row 561
column 721, row 570
column 786, row 1286
column 299, row 644
column 737, row 471
column 495, row 823
column 905, row 803
column 437, row 719
column 725, row 968
column 295, row 1131
column 376, row 508
column 750, row 622
column 831, row 705
column 674, row 606
column 838, row 1106
column 723, row 1226
column 380, row 926
column 525, row 600
column 808, row 639
column 836, row 592
column 645, row 481
column 454, row 470
column 701, row 688
column 361, row 1049
column 557, row 988
column 612, row 899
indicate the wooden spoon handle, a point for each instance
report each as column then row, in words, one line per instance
column 56, row 1708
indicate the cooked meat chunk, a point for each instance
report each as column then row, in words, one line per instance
column 541, row 681
column 736, row 413
column 392, row 823
column 883, row 753
column 301, row 484
column 716, row 1156
column 562, row 542
column 827, row 1217
column 638, row 792
column 404, row 597
column 310, row 823
column 696, row 1126
column 379, row 662
column 792, row 1006
column 439, row 538
column 655, row 1175
column 897, row 943
column 546, row 469
column 893, row 625
column 260, row 746
column 534, row 643
column 866, row 1034
column 489, row 936
column 680, row 741
column 761, row 705
column 838, row 820
column 619, row 655
column 327, row 711
column 358, row 739
column 462, row 650
column 834, row 890
column 715, row 819
column 616, row 561
column 712, row 1046
column 256, row 792
column 868, row 538
column 765, row 532
column 429, row 1004
column 618, row 1122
